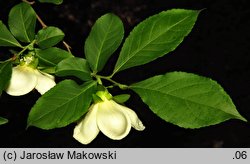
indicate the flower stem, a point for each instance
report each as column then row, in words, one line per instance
column 25, row 48
column 108, row 78
column 99, row 81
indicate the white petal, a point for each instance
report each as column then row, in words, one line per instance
column 112, row 121
column 135, row 121
column 44, row 82
column 23, row 80
column 86, row 130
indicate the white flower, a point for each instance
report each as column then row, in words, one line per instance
column 112, row 119
column 24, row 79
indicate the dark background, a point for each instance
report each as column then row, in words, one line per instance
column 218, row 47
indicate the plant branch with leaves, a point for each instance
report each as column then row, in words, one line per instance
column 183, row 99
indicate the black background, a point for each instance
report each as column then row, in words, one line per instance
column 218, row 47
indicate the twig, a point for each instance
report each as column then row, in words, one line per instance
column 66, row 45
column 31, row 3
column 41, row 21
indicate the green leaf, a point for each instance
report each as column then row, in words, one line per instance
column 6, row 38
column 5, row 75
column 52, row 56
column 155, row 37
column 187, row 100
column 62, row 105
column 74, row 66
column 105, row 37
column 121, row 98
column 57, row 2
column 22, row 22
column 3, row 121
column 49, row 36
column 49, row 70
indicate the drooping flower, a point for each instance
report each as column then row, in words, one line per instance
column 25, row 77
column 109, row 117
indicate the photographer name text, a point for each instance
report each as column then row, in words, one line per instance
column 71, row 155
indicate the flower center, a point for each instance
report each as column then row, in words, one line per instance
column 29, row 60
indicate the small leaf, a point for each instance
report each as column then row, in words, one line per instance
column 187, row 100
column 105, row 37
column 5, row 75
column 3, row 121
column 22, row 22
column 6, row 38
column 52, row 56
column 57, row 2
column 63, row 104
column 155, row 37
column 49, row 36
column 121, row 98
column 74, row 66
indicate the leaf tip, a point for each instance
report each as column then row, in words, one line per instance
column 29, row 124
column 3, row 121
column 243, row 119
column 199, row 11
column 27, row 127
